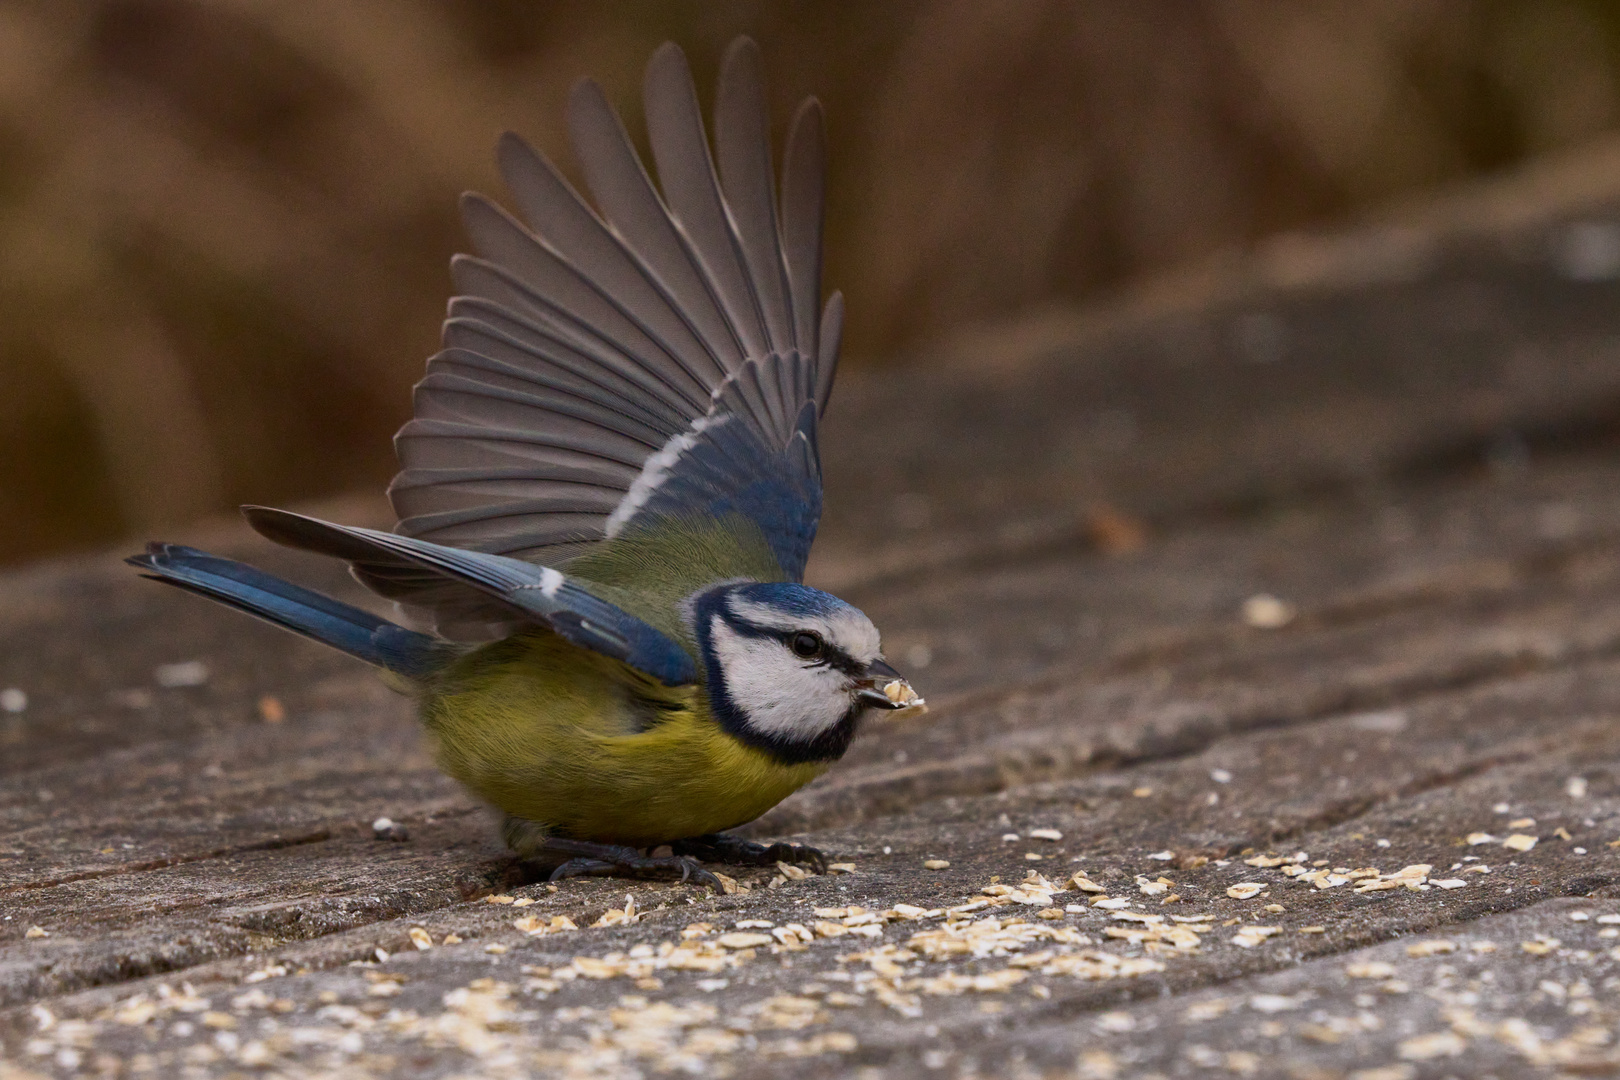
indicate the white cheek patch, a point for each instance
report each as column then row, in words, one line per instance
column 849, row 629
column 776, row 692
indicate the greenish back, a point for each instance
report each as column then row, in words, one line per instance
column 651, row 568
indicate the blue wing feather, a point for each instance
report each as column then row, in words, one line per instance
column 740, row 463
column 511, row 588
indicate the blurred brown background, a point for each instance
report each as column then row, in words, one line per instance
column 224, row 224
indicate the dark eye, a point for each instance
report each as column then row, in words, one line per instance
column 806, row 645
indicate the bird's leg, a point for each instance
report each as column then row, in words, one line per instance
column 722, row 848
column 585, row 859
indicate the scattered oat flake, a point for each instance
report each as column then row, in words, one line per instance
column 1522, row 823
column 272, row 971
column 1427, row 1047
column 1111, row 903
column 36, row 932
column 1313, row 929
column 1520, row 842
column 1432, row 947
column 1264, row 861
column 1274, row 1003
column 936, row 864
column 1163, row 856
column 1142, row 792
column 841, row 868
column 1385, row 1072
column 1448, row 883
column 1370, row 969
column 743, row 940
column 1540, row 946
column 1252, row 936
column 1200, row 1011
column 1243, row 890
column 536, row 926
column 499, row 899
column 421, row 939
column 1044, row 834
column 1477, row 838
column 1562, row 833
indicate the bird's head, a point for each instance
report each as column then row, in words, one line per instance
column 790, row 668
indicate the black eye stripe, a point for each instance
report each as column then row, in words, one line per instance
column 841, row 660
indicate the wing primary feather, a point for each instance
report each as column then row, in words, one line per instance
column 638, row 217
column 742, row 136
column 804, row 208
column 494, row 476
column 514, row 508
column 832, row 336
column 480, row 401
column 420, row 428
column 692, row 189
column 557, row 283
column 519, row 350
column 590, row 355
column 560, row 217
column 492, row 371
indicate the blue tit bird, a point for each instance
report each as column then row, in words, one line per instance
column 608, row 492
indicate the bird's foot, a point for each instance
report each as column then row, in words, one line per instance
column 722, row 848
column 612, row 860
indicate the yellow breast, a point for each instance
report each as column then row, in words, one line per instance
column 589, row 749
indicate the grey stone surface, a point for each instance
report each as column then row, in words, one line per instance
column 1297, row 811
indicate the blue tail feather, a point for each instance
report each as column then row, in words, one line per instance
column 319, row 618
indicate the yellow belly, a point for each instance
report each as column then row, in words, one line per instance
column 546, row 732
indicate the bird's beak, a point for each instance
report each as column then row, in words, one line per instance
column 885, row 688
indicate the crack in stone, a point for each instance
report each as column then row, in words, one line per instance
column 274, row 843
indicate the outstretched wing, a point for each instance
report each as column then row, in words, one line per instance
column 482, row 589
column 660, row 354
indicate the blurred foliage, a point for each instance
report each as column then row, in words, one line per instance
column 224, row 224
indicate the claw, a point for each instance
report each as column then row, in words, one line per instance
column 719, row 847
column 580, row 868
column 595, row 860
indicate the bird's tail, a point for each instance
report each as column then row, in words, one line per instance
column 319, row 618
